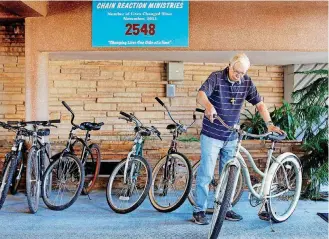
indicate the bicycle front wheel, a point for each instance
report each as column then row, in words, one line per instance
column 171, row 182
column 212, row 188
column 33, row 180
column 124, row 196
column 62, row 182
column 8, row 169
column 223, row 201
column 285, row 189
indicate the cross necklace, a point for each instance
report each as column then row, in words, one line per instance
column 233, row 99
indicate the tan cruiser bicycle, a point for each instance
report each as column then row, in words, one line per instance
column 278, row 192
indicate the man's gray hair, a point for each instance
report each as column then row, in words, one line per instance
column 240, row 57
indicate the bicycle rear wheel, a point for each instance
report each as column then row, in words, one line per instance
column 17, row 174
column 286, row 184
column 212, row 188
column 125, row 196
column 223, row 201
column 92, row 167
column 33, row 180
column 9, row 167
column 62, row 182
column 169, row 192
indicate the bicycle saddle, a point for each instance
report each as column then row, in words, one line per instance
column 145, row 133
column 43, row 132
column 171, row 126
column 91, row 126
column 276, row 137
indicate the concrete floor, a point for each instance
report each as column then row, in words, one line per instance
column 94, row 219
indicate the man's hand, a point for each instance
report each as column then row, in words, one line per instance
column 210, row 112
column 273, row 128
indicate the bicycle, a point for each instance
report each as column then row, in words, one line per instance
column 37, row 161
column 172, row 175
column 12, row 159
column 67, row 176
column 131, row 179
column 283, row 174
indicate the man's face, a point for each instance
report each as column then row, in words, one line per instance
column 237, row 71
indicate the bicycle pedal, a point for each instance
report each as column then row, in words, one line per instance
column 122, row 198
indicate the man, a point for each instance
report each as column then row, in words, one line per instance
column 223, row 93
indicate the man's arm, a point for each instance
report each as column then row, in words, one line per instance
column 203, row 100
column 263, row 111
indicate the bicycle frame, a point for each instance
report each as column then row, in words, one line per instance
column 240, row 163
column 137, row 149
column 41, row 152
column 72, row 140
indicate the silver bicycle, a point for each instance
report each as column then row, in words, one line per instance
column 278, row 192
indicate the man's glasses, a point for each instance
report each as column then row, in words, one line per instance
column 238, row 73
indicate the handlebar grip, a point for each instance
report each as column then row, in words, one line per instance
column 56, row 121
column 67, row 106
column 194, row 117
column 125, row 114
column 160, row 101
column 200, row 110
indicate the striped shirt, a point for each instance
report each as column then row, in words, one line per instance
column 220, row 92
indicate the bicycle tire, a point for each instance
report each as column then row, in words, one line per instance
column 270, row 207
column 141, row 198
column 187, row 188
column 225, row 204
column 237, row 195
column 89, row 184
column 7, row 175
column 17, row 178
column 48, row 176
column 32, row 167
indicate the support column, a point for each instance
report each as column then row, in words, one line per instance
column 36, row 78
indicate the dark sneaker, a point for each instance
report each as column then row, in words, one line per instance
column 200, row 218
column 264, row 216
column 232, row 216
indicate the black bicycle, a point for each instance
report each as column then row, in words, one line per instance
column 172, row 176
column 67, row 176
column 37, row 161
column 12, row 159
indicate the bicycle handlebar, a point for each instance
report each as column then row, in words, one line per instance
column 131, row 117
column 125, row 114
column 160, row 101
column 37, row 122
column 183, row 126
column 236, row 128
column 73, row 115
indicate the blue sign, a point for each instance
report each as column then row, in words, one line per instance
column 140, row 23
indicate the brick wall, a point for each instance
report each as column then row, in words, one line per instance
column 12, row 72
column 98, row 90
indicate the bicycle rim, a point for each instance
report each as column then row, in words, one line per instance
column 282, row 206
column 168, row 193
column 126, row 196
column 63, row 182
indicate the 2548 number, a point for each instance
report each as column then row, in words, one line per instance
column 136, row 29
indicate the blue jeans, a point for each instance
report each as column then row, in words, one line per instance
column 210, row 149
